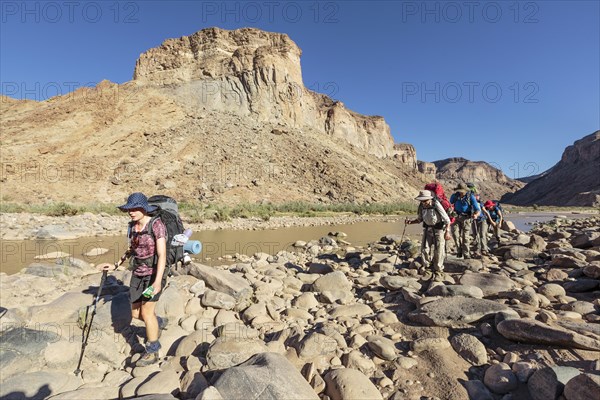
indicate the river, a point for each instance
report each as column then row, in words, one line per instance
column 222, row 243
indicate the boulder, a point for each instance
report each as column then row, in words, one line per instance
column 265, row 376
column 582, row 387
column 532, row 331
column 226, row 352
column 222, row 281
column 469, row 348
column 346, row 384
column 490, row 284
column 500, row 379
column 455, row 311
column 548, row 383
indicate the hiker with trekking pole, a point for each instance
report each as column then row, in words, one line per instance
column 436, row 224
column 467, row 209
column 147, row 240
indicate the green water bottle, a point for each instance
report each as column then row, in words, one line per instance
column 148, row 293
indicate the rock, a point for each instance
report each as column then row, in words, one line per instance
column 90, row 393
column 477, row 391
column 44, row 270
column 548, row 383
column 523, row 370
column 556, row 275
column 406, row 362
column 382, row 347
column 222, row 281
column 429, row 344
column 21, row 348
column 490, row 284
column 318, row 268
column 210, row 393
column 334, row 287
column 552, row 290
column 316, row 344
column 592, row 271
column 455, row 311
column 226, row 352
column 537, row 243
column 517, row 252
column 580, row 307
column 469, row 348
column 265, row 376
column 387, row 317
column 356, row 360
column 395, row 282
column 346, row 383
column 38, row 385
column 351, row 310
column 585, row 240
column 192, row 384
column 500, row 379
column 306, row 301
column 582, row 387
column 214, row 299
column 456, row 290
column 532, row 331
column 581, row 285
column 164, row 382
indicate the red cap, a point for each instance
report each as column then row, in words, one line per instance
column 488, row 204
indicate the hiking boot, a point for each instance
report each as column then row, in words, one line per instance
column 147, row 359
column 459, row 254
column 439, row 276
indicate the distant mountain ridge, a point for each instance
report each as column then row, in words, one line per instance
column 573, row 181
column 491, row 182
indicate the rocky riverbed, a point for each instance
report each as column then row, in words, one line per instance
column 328, row 320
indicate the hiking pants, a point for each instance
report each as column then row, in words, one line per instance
column 463, row 234
column 433, row 241
column 496, row 230
column 482, row 240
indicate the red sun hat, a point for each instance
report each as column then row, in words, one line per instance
column 488, row 204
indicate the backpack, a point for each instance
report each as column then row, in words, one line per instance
column 498, row 205
column 472, row 187
column 168, row 213
column 438, row 193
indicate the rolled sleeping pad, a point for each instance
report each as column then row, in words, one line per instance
column 193, row 246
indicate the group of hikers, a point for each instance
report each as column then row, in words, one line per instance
column 461, row 218
column 151, row 253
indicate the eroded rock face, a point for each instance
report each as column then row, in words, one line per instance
column 249, row 71
column 578, row 166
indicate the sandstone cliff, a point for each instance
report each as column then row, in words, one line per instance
column 218, row 116
column 490, row 181
column 252, row 72
column 579, row 166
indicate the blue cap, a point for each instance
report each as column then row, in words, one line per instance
column 137, row 200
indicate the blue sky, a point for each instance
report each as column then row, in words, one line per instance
column 511, row 83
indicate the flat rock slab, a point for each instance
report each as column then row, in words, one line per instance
column 222, row 281
column 265, row 376
column 532, row 331
column 456, row 311
column 38, row 385
column 490, row 284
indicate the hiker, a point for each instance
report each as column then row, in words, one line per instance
column 148, row 269
column 467, row 209
column 495, row 217
column 481, row 227
column 435, row 229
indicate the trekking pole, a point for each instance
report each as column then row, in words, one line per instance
column 86, row 332
column 401, row 239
